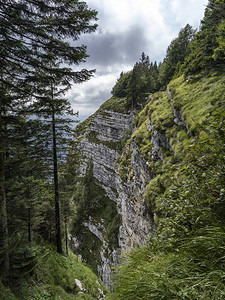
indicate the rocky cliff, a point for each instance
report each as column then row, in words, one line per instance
column 131, row 157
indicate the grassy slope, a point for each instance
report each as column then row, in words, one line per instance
column 191, row 270
column 54, row 278
column 196, row 99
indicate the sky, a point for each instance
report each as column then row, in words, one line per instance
column 126, row 28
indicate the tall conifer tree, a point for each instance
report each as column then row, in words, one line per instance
column 34, row 37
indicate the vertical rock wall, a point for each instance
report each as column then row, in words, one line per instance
column 102, row 144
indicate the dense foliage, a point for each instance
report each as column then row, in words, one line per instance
column 207, row 50
column 135, row 85
column 185, row 257
column 36, row 55
column 176, row 53
column 38, row 194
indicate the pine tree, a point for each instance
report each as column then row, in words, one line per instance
column 33, row 40
column 143, row 80
column 176, row 53
column 205, row 49
column 121, row 86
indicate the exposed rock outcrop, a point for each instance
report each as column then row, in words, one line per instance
column 178, row 119
column 122, row 172
column 102, row 144
column 158, row 141
column 137, row 221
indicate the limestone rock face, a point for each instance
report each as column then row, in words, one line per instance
column 136, row 223
column 178, row 119
column 110, row 125
column 158, row 141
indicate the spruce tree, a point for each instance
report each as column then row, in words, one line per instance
column 35, row 38
column 206, row 49
column 176, row 53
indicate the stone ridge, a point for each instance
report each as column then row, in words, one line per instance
column 136, row 219
column 110, row 125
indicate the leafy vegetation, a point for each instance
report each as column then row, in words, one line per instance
column 193, row 271
column 54, row 277
column 92, row 204
column 207, row 46
column 185, row 258
column 176, row 53
column 135, row 85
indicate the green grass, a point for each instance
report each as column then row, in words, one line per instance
column 54, row 278
column 120, row 105
column 160, row 112
column 197, row 98
column 185, row 260
column 194, row 271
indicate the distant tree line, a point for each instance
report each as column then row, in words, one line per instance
column 191, row 52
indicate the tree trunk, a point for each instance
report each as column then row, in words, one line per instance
column 4, row 248
column 66, row 237
column 29, row 226
column 56, row 189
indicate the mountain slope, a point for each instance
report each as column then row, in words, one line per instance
column 55, row 276
column 132, row 160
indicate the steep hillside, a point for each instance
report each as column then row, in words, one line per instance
column 54, row 277
column 131, row 159
column 134, row 201
column 185, row 257
column 103, row 230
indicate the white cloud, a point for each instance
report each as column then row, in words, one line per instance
column 87, row 97
column 127, row 28
column 189, row 11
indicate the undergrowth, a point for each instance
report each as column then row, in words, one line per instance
column 185, row 259
column 54, row 278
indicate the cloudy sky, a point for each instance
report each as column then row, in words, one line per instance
column 126, row 28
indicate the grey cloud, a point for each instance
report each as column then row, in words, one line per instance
column 74, row 97
column 99, row 98
column 93, row 95
column 106, row 48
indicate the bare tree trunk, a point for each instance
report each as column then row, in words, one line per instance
column 4, row 248
column 56, row 189
column 66, row 233
column 29, row 226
